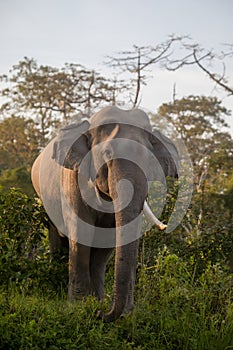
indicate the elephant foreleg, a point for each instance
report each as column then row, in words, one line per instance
column 98, row 261
column 79, row 274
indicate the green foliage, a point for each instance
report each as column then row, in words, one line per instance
column 198, row 243
column 189, row 311
column 199, row 120
column 205, row 235
column 174, row 310
column 17, row 177
column 21, row 231
column 19, row 146
column 179, row 305
column 19, row 142
column 51, row 95
column 25, row 260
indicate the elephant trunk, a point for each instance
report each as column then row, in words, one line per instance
column 128, row 218
column 125, row 267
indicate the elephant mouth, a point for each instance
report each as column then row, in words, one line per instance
column 102, row 192
column 101, row 182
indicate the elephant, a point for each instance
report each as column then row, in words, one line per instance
column 93, row 179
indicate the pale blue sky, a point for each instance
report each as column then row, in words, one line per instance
column 85, row 31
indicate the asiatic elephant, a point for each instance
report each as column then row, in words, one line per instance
column 93, row 181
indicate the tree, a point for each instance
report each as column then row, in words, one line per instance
column 17, row 178
column 199, row 120
column 205, row 60
column 51, row 95
column 19, row 142
column 138, row 61
column 19, row 145
column 172, row 54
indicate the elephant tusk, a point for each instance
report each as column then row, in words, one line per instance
column 152, row 218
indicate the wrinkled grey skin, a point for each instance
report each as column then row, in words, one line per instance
column 87, row 264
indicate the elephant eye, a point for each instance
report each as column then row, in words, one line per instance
column 107, row 154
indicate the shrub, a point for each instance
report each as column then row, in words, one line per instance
column 24, row 252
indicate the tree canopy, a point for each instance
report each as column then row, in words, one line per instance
column 52, row 95
column 200, row 121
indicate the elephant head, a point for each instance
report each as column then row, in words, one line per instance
column 121, row 155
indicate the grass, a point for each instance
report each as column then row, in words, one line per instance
column 174, row 310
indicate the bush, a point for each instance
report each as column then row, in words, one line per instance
column 199, row 242
column 25, row 259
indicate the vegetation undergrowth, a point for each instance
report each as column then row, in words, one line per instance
column 173, row 311
column 184, row 297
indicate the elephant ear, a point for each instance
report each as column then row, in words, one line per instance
column 71, row 145
column 166, row 153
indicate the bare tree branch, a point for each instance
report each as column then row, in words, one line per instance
column 219, row 81
column 137, row 61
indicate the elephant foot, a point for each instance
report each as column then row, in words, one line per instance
column 77, row 293
column 128, row 309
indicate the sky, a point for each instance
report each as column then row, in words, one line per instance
column 86, row 31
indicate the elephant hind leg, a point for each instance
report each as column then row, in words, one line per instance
column 57, row 242
column 98, row 262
